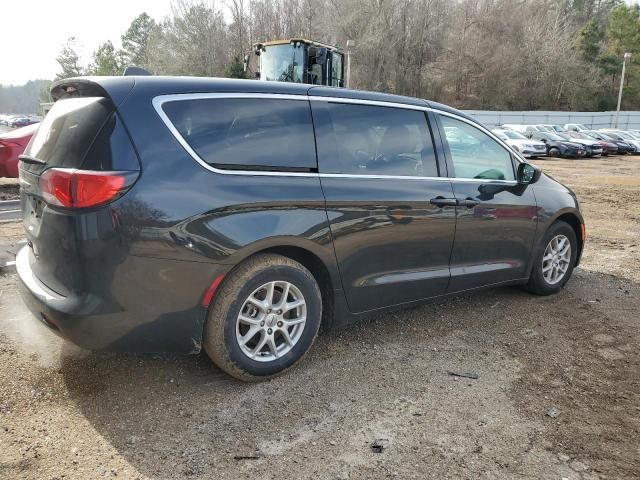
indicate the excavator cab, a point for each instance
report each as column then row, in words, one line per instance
column 298, row 61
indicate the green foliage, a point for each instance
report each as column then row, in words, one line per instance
column 106, row 61
column 623, row 33
column 69, row 61
column 135, row 41
column 235, row 69
column 590, row 38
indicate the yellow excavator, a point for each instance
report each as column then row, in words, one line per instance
column 297, row 60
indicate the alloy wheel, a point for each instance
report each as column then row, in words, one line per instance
column 556, row 259
column 271, row 321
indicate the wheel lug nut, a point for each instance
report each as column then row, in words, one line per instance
column 279, row 324
column 269, row 331
column 279, row 312
column 262, row 324
column 268, row 310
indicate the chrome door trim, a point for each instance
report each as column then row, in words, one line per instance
column 160, row 100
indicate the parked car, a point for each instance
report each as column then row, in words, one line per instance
column 12, row 144
column 575, row 127
column 525, row 130
column 592, row 147
column 173, row 213
column 4, row 120
column 607, row 147
column 527, row 147
column 556, row 128
column 558, row 146
column 621, row 146
column 624, row 136
column 21, row 122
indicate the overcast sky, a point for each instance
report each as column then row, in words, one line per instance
column 33, row 31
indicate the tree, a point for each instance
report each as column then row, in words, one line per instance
column 135, row 41
column 235, row 69
column 623, row 33
column 106, row 61
column 590, row 38
column 69, row 61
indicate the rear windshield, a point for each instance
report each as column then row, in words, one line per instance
column 247, row 133
column 68, row 130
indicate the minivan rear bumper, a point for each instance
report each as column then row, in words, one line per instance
column 52, row 309
column 92, row 323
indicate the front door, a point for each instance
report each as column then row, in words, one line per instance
column 496, row 217
column 379, row 174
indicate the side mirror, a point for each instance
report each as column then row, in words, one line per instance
column 543, row 140
column 527, row 173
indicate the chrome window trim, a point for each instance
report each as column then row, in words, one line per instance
column 160, row 100
column 375, row 103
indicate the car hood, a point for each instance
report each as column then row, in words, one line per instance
column 591, row 143
column 20, row 132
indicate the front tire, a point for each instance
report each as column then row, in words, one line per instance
column 554, row 260
column 554, row 152
column 264, row 319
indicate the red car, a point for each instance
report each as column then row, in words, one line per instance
column 13, row 144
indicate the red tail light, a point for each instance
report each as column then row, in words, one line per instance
column 70, row 188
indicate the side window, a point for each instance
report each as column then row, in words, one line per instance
column 247, row 133
column 474, row 153
column 372, row 140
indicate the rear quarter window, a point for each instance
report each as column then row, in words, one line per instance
column 247, row 133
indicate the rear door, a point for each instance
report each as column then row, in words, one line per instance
column 379, row 173
column 497, row 217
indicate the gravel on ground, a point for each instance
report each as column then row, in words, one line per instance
column 497, row 384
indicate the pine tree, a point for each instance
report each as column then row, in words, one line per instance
column 69, row 61
column 136, row 39
column 235, row 69
column 106, row 61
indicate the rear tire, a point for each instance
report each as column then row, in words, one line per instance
column 554, row 152
column 253, row 330
column 553, row 265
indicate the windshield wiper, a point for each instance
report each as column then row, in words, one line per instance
column 30, row 159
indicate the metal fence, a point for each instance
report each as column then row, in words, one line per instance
column 630, row 119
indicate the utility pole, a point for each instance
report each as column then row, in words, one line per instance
column 627, row 56
column 350, row 45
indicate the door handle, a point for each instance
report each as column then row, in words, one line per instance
column 468, row 202
column 444, row 202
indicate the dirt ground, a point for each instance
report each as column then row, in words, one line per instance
column 557, row 393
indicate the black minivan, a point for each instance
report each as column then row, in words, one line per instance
column 167, row 214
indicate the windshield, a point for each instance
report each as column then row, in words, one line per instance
column 581, row 135
column 591, row 136
column 283, row 63
column 544, row 128
column 552, row 136
column 626, row 136
column 513, row 135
